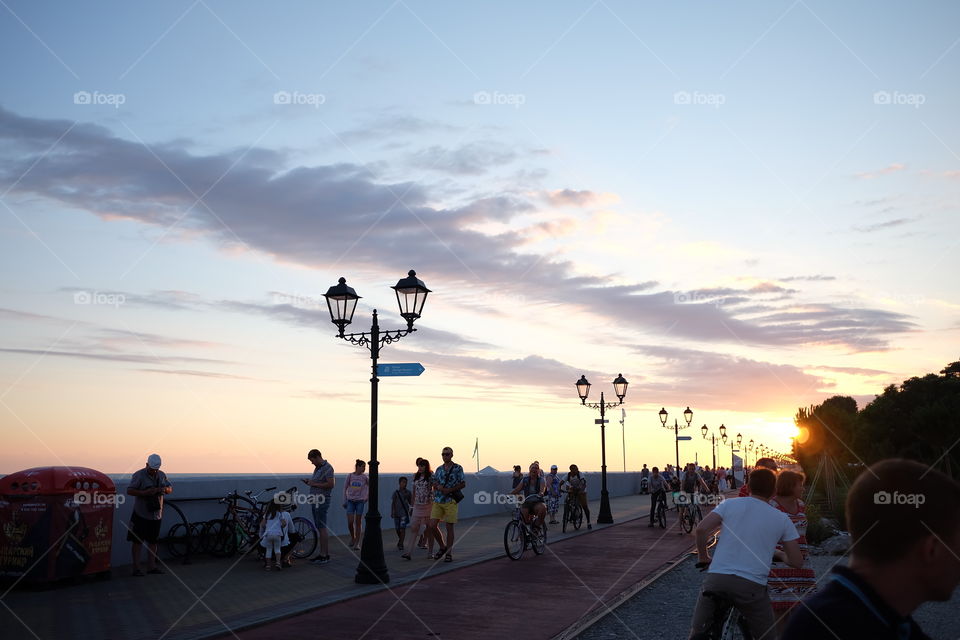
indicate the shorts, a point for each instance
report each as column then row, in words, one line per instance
column 445, row 511
column 320, row 514
column 143, row 530
column 531, row 503
column 356, row 507
column 401, row 523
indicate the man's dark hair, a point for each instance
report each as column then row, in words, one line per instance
column 763, row 482
column 896, row 503
column 766, row 463
column 314, row 453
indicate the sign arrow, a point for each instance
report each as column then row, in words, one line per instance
column 684, row 437
column 400, row 369
column 600, row 421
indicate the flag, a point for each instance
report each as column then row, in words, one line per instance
column 476, row 448
column 623, row 414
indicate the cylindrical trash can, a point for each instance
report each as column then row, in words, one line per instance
column 56, row 522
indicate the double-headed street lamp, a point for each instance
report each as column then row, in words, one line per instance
column 619, row 388
column 342, row 302
column 713, row 442
column 734, row 447
column 751, row 448
column 688, row 416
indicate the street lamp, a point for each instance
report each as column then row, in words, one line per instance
column 751, row 448
column 713, row 443
column 342, row 302
column 620, row 389
column 734, row 448
column 688, row 417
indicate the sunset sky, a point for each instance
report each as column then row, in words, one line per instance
column 743, row 207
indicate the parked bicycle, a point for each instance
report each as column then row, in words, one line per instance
column 518, row 536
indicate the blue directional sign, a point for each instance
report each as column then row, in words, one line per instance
column 401, row 369
column 684, row 437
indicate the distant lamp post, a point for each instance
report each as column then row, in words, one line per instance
column 734, row 448
column 688, row 418
column 342, row 302
column 713, row 443
column 620, row 389
column 750, row 447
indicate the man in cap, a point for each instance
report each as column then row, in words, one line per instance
column 148, row 486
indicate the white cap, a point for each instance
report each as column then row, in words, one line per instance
column 153, row 461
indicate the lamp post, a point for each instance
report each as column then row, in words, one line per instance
column 750, row 448
column 620, row 389
column 734, row 447
column 688, row 417
column 713, row 444
column 342, row 302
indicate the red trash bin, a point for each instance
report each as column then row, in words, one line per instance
column 56, row 522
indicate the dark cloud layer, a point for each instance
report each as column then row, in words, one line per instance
column 327, row 216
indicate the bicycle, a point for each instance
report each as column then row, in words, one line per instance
column 689, row 512
column 572, row 512
column 727, row 623
column 660, row 516
column 239, row 530
column 518, row 535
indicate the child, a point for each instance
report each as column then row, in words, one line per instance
column 274, row 527
column 400, row 511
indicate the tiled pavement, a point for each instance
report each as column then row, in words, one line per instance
column 215, row 597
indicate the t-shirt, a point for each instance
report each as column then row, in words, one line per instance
column 321, row 474
column 357, row 487
column 751, row 531
column 531, row 488
column 849, row 609
column 142, row 480
column 656, row 483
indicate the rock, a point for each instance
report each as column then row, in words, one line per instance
column 836, row 545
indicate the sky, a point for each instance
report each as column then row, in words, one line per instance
column 744, row 208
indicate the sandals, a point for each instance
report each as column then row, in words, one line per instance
column 405, row 556
column 448, row 558
column 440, row 554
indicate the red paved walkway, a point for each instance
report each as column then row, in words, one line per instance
column 535, row 597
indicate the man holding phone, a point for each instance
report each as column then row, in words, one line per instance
column 148, row 486
column 321, row 483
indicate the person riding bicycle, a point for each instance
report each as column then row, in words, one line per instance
column 692, row 483
column 576, row 488
column 738, row 570
column 658, row 493
column 532, row 487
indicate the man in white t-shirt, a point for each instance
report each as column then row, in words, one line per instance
column 741, row 561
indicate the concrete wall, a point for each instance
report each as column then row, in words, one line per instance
column 482, row 498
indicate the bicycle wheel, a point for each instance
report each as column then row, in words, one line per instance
column 734, row 627
column 539, row 542
column 177, row 540
column 222, row 538
column 577, row 516
column 662, row 516
column 566, row 517
column 309, row 538
column 513, row 540
column 686, row 521
column 246, row 539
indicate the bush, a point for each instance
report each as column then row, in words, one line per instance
column 817, row 532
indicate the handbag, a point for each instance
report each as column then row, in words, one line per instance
column 456, row 495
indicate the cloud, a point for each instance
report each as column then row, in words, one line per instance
column 893, row 168
column 584, row 199
column 722, row 381
column 814, row 278
column 470, row 159
column 114, row 357
column 330, row 215
column 885, row 225
column 201, row 374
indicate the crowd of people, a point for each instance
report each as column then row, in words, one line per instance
column 902, row 516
